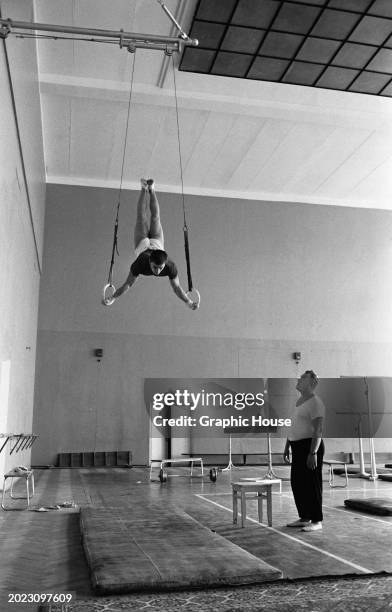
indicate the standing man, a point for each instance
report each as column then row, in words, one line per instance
column 151, row 258
column 307, row 450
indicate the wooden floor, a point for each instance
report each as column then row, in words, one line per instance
column 41, row 551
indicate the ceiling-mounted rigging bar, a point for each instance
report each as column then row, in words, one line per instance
column 130, row 40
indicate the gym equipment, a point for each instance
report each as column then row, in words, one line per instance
column 373, row 505
column 192, row 293
column 107, row 298
column 257, row 431
column 331, row 463
column 19, row 472
column 373, row 424
column 154, row 547
column 164, row 475
column 128, row 40
column 18, row 442
column 213, row 474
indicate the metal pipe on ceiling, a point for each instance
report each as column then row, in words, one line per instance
column 150, row 41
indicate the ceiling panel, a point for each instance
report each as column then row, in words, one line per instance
column 280, row 44
column 335, row 24
column 358, row 6
column 208, row 34
column 242, row 40
column 231, row 64
column 372, row 31
column 382, row 61
column 253, row 14
column 353, row 55
column 302, row 73
column 318, row 50
column 340, row 36
column 219, row 10
column 268, row 68
column 369, row 82
column 337, row 78
column 382, row 8
column 296, row 18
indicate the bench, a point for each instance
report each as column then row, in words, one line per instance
column 331, row 463
column 163, row 462
column 244, row 456
column 19, row 472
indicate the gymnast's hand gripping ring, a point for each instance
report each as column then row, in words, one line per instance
column 108, row 300
column 194, row 295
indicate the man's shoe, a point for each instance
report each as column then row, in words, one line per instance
column 298, row 523
column 313, row 527
column 150, row 184
column 144, row 183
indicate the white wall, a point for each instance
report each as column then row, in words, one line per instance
column 265, row 270
column 274, row 277
column 22, row 188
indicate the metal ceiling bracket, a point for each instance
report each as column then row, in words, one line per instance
column 181, row 33
column 4, row 30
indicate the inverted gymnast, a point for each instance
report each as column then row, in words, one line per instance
column 151, row 258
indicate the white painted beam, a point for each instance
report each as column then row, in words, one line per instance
column 226, row 194
column 115, row 91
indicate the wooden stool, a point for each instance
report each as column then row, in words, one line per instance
column 263, row 489
column 28, row 475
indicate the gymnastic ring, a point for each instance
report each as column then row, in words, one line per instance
column 108, row 301
column 162, row 475
column 194, row 295
column 213, row 474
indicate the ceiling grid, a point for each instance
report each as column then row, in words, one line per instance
column 345, row 45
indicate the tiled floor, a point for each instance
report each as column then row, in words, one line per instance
column 41, row 551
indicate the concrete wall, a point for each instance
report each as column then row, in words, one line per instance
column 274, row 278
column 22, row 188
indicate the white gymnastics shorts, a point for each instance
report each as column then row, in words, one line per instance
column 149, row 243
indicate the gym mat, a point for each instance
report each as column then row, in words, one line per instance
column 154, row 549
column 373, row 505
column 387, row 477
column 355, row 470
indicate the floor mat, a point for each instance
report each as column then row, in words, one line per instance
column 374, row 505
column 151, row 549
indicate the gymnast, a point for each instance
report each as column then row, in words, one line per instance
column 151, row 258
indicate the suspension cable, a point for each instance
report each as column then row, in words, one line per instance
column 115, row 233
column 185, row 228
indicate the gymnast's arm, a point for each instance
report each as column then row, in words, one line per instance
column 131, row 279
column 180, row 293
